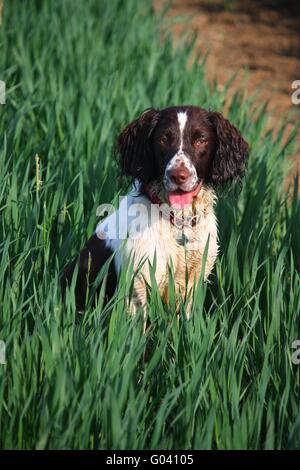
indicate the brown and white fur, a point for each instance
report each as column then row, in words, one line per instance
column 175, row 150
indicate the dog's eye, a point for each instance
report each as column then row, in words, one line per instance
column 164, row 140
column 199, row 141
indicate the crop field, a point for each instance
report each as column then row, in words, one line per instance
column 76, row 73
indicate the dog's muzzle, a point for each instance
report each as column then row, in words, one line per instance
column 180, row 174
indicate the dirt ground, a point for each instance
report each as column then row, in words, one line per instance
column 258, row 40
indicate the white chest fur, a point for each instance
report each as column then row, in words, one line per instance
column 138, row 231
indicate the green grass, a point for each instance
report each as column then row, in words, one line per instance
column 76, row 73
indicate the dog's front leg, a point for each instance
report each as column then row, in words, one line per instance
column 138, row 301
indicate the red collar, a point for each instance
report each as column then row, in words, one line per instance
column 152, row 195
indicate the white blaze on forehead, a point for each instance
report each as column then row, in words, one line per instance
column 182, row 118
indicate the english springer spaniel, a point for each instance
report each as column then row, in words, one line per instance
column 175, row 158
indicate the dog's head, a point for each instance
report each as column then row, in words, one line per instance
column 181, row 147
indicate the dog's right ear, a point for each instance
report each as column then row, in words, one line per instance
column 232, row 152
column 134, row 147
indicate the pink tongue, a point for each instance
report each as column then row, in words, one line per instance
column 179, row 199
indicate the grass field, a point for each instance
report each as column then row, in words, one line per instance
column 76, row 73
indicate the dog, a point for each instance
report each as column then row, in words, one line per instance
column 176, row 158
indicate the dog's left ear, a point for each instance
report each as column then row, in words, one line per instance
column 232, row 151
column 134, row 146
